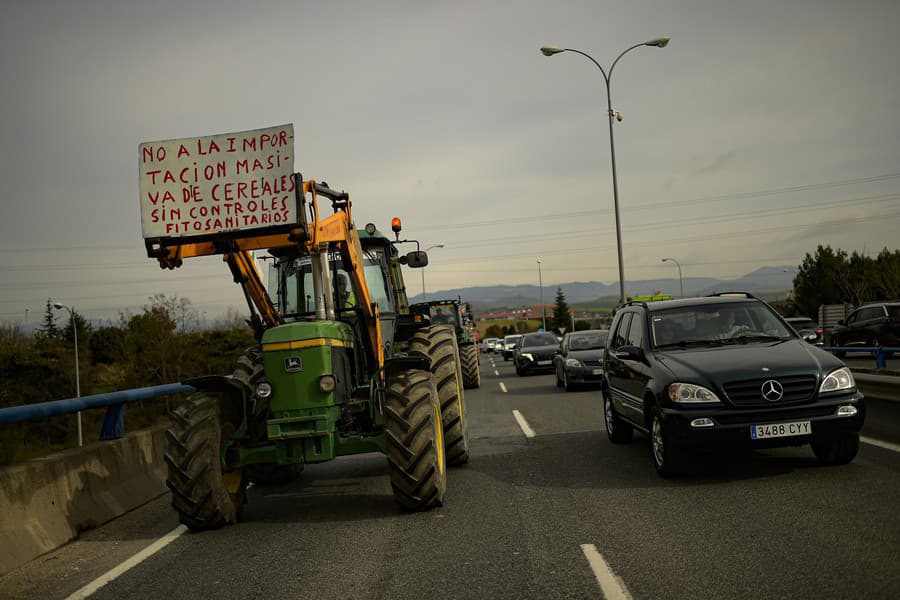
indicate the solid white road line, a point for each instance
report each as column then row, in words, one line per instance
column 503, row 387
column 128, row 564
column 879, row 443
column 610, row 583
column 526, row 428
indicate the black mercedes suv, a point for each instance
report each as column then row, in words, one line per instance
column 725, row 369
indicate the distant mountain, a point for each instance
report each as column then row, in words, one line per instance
column 766, row 280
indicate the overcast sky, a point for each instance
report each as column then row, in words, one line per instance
column 763, row 129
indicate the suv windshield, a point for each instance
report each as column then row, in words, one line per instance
column 717, row 323
column 541, row 339
column 587, row 341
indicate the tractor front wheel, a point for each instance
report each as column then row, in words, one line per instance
column 414, row 439
column 205, row 494
column 439, row 344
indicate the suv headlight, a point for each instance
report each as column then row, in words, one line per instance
column 839, row 379
column 526, row 355
column 688, row 393
column 573, row 362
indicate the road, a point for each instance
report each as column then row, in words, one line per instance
column 563, row 514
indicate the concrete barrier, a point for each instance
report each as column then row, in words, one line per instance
column 46, row 502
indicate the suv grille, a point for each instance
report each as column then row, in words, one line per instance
column 798, row 388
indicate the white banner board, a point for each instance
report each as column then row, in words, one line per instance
column 225, row 182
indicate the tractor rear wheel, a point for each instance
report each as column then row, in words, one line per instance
column 249, row 369
column 439, row 344
column 414, row 440
column 205, row 494
column 471, row 369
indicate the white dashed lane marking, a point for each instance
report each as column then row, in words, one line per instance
column 526, row 428
column 610, row 583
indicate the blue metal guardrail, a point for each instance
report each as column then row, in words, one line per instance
column 882, row 353
column 114, row 421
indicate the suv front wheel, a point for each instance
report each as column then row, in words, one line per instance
column 838, row 450
column 668, row 459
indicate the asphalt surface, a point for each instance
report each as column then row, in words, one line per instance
column 771, row 524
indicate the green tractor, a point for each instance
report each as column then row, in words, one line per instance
column 458, row 315
column 342, row 367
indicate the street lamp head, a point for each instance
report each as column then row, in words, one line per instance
column 665, row 259
column 658, row 42
column 59, row 305
column 551, row 50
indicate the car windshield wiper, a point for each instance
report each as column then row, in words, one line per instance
column 743, row 339
column 686, row 343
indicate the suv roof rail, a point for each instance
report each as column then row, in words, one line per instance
column 634, row 303
column 733, row 295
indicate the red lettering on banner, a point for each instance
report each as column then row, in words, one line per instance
column 182, row 151
column 148, row 154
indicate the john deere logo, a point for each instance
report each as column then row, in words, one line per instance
column 293, row 364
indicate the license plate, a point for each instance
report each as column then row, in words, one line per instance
column 544, row 362
column 774, row 430
column 597, row 372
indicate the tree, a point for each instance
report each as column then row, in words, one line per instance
column 834, row 277
column 582, row 325
column 49, row 329
column 85, row 329
column 561, row 318
column 817, row 280
column 493, row 331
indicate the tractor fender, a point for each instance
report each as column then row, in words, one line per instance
column 410, row 360
column 220, row 384
column 235, row 393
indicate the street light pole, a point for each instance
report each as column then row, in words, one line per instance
column 658, row 43
column 541, row 284
column 680, row 280
column 424, row 297
column 59, row 306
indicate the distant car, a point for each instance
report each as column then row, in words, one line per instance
column 487, row 344
column 876, row 324
column 702, row 373
column 580, row 358
column 534, row 353
column 808, row 329
column 509, row 344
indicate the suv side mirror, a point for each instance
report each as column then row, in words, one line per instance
column 417, row 259
column 629, row 353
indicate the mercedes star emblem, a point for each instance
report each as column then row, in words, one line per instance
column 772, row 390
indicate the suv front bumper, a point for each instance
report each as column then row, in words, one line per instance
column 732, row 426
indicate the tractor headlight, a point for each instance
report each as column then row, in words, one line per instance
column 327, row 383
column 839, row 379
column 263, row 390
